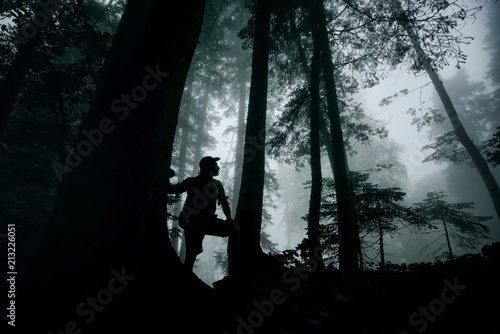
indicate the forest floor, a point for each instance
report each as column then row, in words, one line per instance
column 459, row 296
column 441, row 297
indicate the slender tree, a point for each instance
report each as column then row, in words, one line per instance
column 378, row 212
column 459, row 224
column 327, row 138
column 249, row 210
column 382, row 214
column 426, row 63
column 240, row 135
column 347, row 252
column 314, row 142
column 287, row 143
column 431, row 32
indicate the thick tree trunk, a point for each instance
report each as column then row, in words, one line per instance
column 110, row 214
column 314, row 145
column 347, row 251
column 249, row 210
column 476, row 156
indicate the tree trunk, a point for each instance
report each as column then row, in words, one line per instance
column 447, row 237
column 327, row 138
column 249, row 210
column 381, row 235
column 110, row 213
column 476, row 156
column 240, row 138
column 347, row 252
column 314, row 115
column 360, row 250
column 288, row 225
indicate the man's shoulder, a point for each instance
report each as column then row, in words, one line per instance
column 218, row 183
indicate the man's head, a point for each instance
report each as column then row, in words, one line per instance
column 208, row 165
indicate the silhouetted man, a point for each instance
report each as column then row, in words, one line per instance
column 198, row 217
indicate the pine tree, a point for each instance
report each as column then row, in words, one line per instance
column 378, row 212
column 458, row 223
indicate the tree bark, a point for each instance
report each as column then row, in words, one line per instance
column 347, row 252
column 249, row 210
column 314, row 143
column 476, row 156
column 110, row 212
column 240, row 138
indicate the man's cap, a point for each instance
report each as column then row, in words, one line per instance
column 207, row 162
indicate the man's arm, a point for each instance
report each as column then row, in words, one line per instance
column 179, row 187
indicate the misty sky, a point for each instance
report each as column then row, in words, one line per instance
column 394, row 115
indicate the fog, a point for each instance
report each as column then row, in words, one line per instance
column 341, row 158
column 288, row 228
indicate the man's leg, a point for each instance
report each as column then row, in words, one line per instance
column 224, row 228
column 194, row 242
